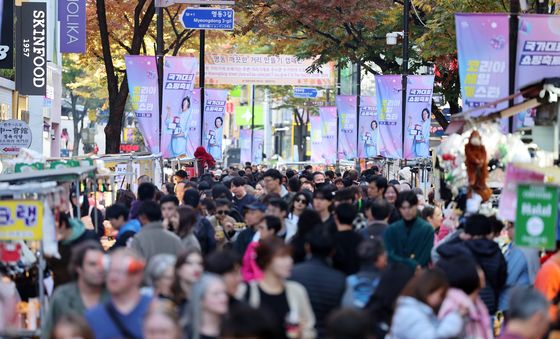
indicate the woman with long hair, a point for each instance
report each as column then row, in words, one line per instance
column 287, row 301
column 299, row 203
column 187, row 221
column 188, row 270
column 208, row 305
column 417, row 308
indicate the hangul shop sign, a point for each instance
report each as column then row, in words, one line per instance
column 21, row 220
column 14, row 135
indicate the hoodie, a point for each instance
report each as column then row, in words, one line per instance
column 489, row 257
column 477, row 319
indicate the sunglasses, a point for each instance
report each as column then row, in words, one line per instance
column 222, row 212
column 303, row 201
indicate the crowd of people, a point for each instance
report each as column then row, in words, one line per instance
column 268, row 254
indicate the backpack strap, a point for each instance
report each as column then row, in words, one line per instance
column 112, row 312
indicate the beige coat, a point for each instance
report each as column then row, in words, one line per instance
column 298, row 300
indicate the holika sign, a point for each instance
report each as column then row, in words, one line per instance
column 536, row 217
column 72, row 17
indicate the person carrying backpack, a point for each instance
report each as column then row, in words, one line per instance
column 361, row 286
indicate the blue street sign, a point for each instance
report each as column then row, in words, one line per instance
column 305, row 92
column 208, row 18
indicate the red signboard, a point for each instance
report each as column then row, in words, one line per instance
column 127, row 148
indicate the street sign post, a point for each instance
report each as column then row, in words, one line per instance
column 305, row 92
column 536, row 217
column 167, row 3
column 208, row 18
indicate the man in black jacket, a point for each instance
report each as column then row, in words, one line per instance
column 325, row 285
column 476, row 241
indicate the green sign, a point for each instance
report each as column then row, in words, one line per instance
column 243, row 115
column 536, row 217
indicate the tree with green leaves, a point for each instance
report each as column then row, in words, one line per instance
column 83, row 85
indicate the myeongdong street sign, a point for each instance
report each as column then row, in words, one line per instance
column 167, row 3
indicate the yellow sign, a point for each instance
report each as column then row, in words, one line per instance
column 21, row 220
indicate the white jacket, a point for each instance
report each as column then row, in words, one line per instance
column 414, row 320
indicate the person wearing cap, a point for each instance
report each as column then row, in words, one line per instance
column 254, row 214
column 240, row 196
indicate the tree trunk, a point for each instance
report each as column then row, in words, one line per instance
column 119, row 93
column 114, row 124
column 75, row 123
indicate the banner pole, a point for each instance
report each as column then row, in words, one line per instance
column 159, row 60
column 253, row 118
column 513, row 28
column 406, row 12
column 202, row 76
column 357, row 129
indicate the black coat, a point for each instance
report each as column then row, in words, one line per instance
column 489, row 257
column 325, row 287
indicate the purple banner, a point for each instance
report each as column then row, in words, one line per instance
column 141, row 72
column 72, row 17
column 368, row 145
column 316, row 139
column 389, row 110
column 245, row 145
column 181, row 108
column 538, row 55
column 347, row 125
column 214, row 109
column 418, row 116
column 328, row 134
column 483, row 53
column 258, row 146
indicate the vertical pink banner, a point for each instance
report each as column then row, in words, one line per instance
column 245, row 145
column 258, row 146
column 389, row 110
column 538, row 55
column 214, row 109
column 181, row 108
column 316, row 139
column 418, row 116
column 483, row 53
column 347, row 126
column 368, row 138
column 141, row 73
column 328, row 134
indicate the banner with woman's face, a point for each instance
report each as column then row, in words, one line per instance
column 181, row 123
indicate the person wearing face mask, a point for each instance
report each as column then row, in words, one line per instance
column 286, row 301
column 416, row 312
column 411, row 239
